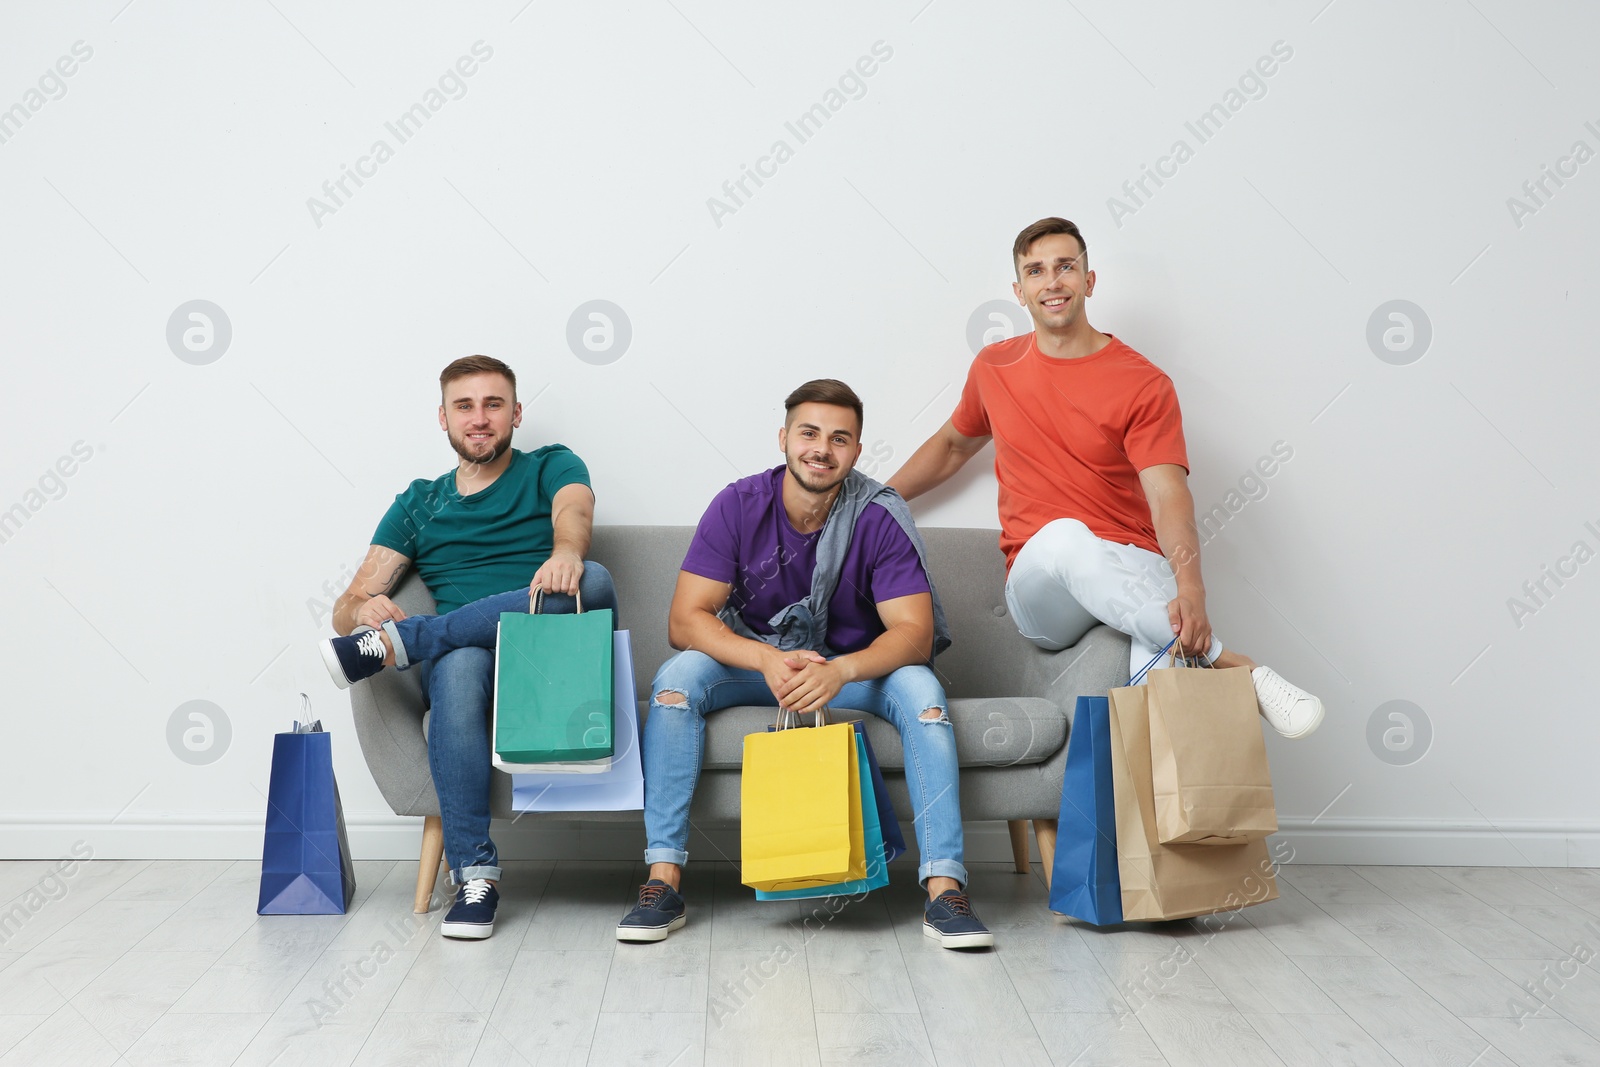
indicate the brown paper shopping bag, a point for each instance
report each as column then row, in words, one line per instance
column 1171, row 881
column 1208, row 760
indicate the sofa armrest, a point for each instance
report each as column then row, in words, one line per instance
column 1094, row 665
column 388, row 710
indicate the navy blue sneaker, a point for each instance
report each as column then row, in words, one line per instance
column 948, row 919
column 472, row 915
column 659, row 912
column 350, row 659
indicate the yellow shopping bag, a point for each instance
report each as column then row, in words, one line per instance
column 800, row 800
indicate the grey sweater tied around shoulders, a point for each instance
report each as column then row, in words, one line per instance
column 805, row 624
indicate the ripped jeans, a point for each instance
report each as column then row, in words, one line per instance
column 674, row 745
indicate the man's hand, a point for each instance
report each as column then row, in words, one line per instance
column 815, row 681
column 377, row 611
column 1187, row 613
column 560, row 573
column 779, row 671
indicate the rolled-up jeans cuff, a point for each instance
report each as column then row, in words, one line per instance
column 467, row 874
column 401, row 660
column 942, row 869
column 666, row 855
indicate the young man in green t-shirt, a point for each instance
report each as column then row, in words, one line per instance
column 501, row 520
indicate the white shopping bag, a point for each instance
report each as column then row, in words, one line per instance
column 619, row 787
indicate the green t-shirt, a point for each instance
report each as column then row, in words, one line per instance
column 470, row 547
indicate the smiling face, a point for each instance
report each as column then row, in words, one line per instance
column 478, row 414
column 1053, row 282
column 820, row 443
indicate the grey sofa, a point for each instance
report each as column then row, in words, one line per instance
column 1010, row 702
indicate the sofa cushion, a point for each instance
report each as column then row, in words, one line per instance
column 990, row 732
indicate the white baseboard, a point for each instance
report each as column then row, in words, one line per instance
column 379, row 836
column 384, row 836
column 1440, row 842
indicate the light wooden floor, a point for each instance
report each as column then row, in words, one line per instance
column 167, row 963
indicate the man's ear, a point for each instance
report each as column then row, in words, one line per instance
column 443, row 425
column 1088, row 284
column 516, row 415
column 1016, row 290
column 783, row 439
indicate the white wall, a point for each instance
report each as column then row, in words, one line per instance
column 177, row 562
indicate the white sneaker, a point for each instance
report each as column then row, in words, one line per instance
column 1292, row 711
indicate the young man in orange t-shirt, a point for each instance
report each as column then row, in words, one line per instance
column 1096, row 518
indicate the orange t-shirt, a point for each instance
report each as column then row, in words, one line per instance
column 1070, row 437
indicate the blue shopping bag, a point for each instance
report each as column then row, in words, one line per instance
column 1084, row 883
column 306, row 868
column 871, row 832
column 894, row 842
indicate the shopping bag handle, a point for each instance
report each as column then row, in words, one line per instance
column 790, row 720
column 1180, row 657
column 536, row 600
column 1154, row 660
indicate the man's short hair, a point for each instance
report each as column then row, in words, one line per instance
column 824, row 391
column 1044, row 228
column 466, row 365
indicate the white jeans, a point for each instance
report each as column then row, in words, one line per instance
column 1065, row 580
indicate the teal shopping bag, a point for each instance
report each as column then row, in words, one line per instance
column 552, row 687
column 872, row 833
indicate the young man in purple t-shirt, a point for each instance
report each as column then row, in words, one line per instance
column 867, row 649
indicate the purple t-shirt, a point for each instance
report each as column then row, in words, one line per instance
column 745, row 539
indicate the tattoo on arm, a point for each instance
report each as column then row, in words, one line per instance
column 393, row 581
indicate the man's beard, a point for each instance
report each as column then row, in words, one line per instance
column 463, row 450
column 804, row 476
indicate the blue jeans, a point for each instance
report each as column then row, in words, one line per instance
column 456, row 654
column 674, row 746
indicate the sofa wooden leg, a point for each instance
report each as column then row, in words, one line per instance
column 1019, row 844
column 428, row 866
column 1044, row 831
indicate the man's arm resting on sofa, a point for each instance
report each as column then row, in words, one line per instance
column 940, row 456
column 907, row 641
column 572, row 517
column 692, row 623
column 366, row 602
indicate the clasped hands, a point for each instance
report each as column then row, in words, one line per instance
column 803, row 680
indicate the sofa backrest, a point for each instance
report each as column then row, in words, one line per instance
column 985, row 658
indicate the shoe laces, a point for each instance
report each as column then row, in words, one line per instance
column 370, row 644
column 475, row 890
column 957, row 903
column 650, row 895
column 1276, row 690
